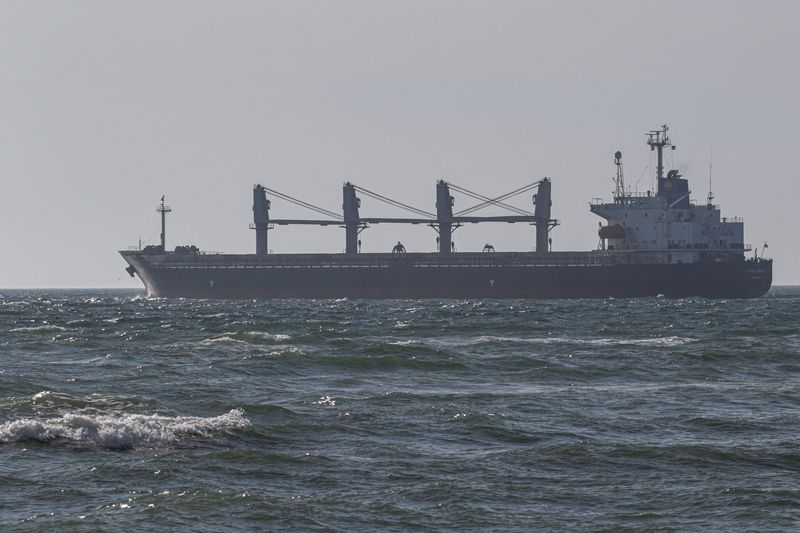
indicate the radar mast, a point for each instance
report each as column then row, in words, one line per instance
column 163, row 210
column 710, row 166
column 658, row 139
column 619, row 181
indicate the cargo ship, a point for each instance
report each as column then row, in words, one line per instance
column 653, row 243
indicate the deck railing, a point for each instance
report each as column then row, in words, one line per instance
column 434, row 260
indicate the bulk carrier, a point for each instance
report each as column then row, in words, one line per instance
column 653, row 243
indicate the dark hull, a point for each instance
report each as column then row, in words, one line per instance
column 216, row 277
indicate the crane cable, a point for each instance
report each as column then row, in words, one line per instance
column 494, row 201
column 301, row 203
column 394, row 203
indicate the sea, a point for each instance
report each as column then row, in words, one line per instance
column 125, row 413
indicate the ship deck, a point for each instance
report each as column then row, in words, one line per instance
column 371, row 260
column 421, row 260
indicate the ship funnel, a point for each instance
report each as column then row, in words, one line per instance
column 260, row 218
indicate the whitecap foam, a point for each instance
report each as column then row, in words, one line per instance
column 249, row 337
column 224, row 339
column 121, row 431
column 653, row 341
column 277, row 337
column 402, row 343
column 327, row 401
column 44, row 328
column 290, row 351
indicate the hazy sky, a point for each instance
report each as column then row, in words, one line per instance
column 105, row 106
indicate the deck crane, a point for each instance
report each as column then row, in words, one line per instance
column 444, row 221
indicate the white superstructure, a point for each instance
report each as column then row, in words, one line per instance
column 667, row 222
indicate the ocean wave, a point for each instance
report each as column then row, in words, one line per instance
column 249, row 337
column 654, row 341
column 80, row 322
column 393, row 361
column 15, row 302
column 290, row 351
column 327, row 401
column 44, row 328
column 121, row 431
column 403, row 343
column 224, row 339
column 491, row 339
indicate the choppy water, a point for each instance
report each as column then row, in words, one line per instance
column 119, row 412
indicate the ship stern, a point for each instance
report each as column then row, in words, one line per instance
column 757, row 278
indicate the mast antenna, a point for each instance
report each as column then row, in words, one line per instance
column 619, row 180
column 658, row 139
column 710, row 166
column 163, row 209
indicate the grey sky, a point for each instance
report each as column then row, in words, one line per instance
column 105, row 106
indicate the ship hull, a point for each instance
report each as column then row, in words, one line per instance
column 336, row 276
